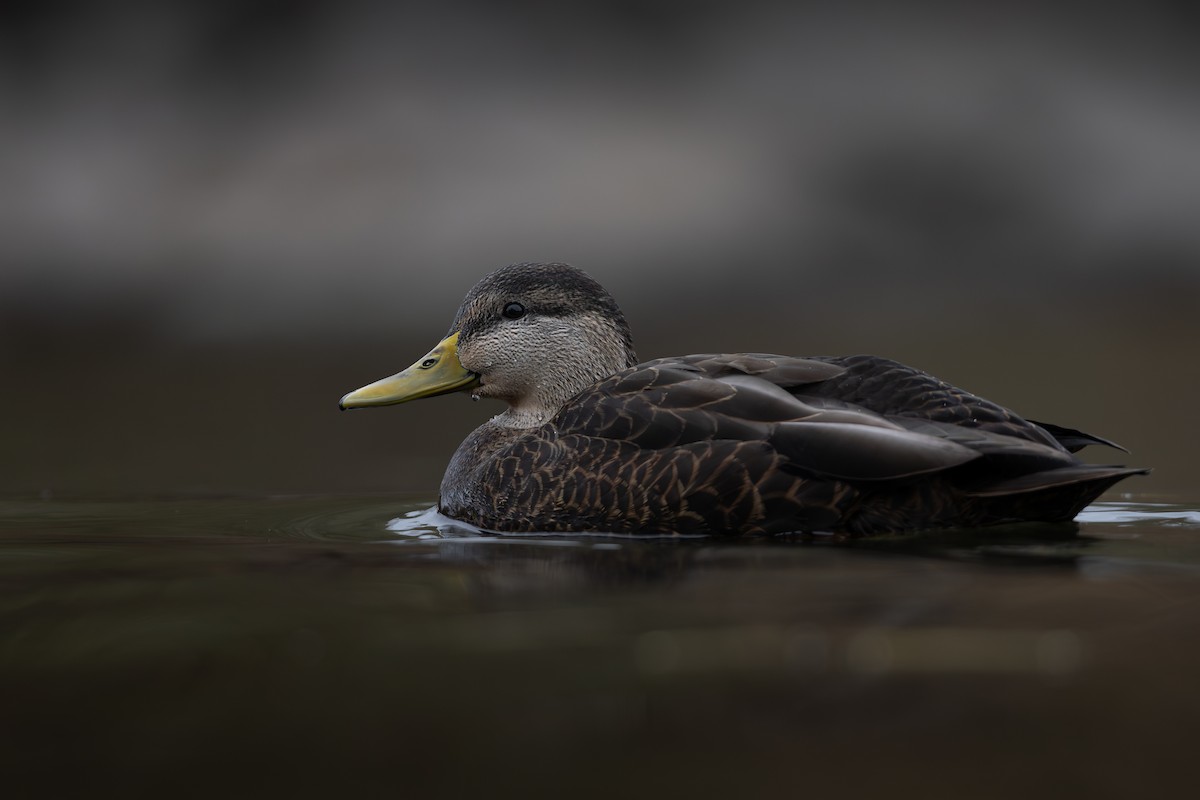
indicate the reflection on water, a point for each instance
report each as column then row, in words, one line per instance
column 308, row 646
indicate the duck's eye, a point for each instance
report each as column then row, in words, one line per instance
column 514, row 311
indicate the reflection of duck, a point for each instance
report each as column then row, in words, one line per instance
column 740, row 443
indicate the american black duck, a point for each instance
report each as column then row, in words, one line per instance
column 728, row 444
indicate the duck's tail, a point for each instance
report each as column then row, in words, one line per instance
column 1055, row 495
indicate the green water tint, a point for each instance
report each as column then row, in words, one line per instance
column 361, row 646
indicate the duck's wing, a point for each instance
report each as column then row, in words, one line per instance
column 779, row 402
column 856, row 419
column 894, row 389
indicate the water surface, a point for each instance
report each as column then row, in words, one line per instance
column 356, row 646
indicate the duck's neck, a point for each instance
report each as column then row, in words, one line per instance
column 523, row 417
column 580, row 358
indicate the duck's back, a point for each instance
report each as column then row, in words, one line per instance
column 748, row 443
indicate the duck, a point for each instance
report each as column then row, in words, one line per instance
column 732, row 444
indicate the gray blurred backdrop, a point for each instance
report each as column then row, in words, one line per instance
column 217, row 218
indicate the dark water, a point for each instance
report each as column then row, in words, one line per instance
column 299, row 646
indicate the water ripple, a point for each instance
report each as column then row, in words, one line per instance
column 1165, row 514
column 429, row 523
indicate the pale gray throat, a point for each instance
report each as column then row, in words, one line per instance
column 572, row 359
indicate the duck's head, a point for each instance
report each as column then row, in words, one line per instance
column 532, row 335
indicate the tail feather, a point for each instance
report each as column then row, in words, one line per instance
column 1076, row 475
column 1075, row 440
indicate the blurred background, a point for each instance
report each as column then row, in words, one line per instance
column 217, row 218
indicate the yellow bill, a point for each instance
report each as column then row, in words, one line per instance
column 439, row 372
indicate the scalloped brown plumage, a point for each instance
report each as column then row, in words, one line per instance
column 735, row 443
